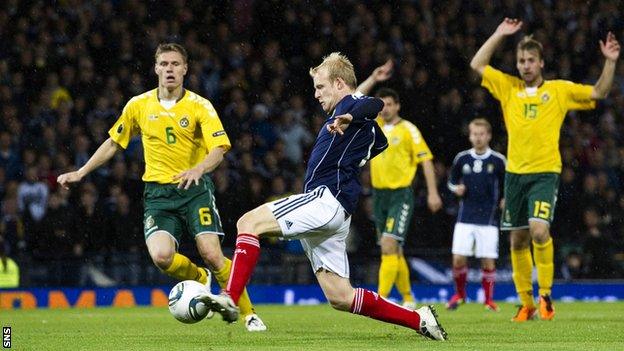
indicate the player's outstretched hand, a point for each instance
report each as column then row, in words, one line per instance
column 509, row 26
column 340, row 124
column 187, row 178
column 67, row 178
column 610, row 48
column 383, row 72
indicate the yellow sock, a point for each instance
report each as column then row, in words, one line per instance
column 402, row 280
column 387, row 273
column 544, row 257
column 182, row 268
column 522, row 266
column 222, row 276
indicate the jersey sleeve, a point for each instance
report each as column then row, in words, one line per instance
column 497, row 83
column 212, row 130
column 420, row 149
column 364, row 108
column 381, row 143
column 126, row 126
column 455, row 175
column 577, row 96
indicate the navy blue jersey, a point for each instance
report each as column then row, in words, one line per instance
column 336, row 159
column 483, row 176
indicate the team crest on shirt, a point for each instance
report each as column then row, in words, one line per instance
column 152, row 117
column 184, row 122
column 545, row 97
column 490, row 168
column 395, row 140
column 149, row 222
column 466, row 169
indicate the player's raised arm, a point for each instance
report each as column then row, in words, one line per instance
column 366, row 110
column 611, row 50
column 380, row 74
column 104, row 153
column 482, row 58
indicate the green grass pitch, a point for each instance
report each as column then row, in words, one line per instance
column 578, row 326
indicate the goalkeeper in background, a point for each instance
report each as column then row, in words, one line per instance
column 533, row 111
column 392, row 175
column 184, row 140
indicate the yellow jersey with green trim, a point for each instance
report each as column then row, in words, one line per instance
column 396, row 166
column 175, row 139
column 533, row 118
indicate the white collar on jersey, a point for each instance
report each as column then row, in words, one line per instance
column 482, row 156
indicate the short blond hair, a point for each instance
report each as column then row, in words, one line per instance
column 529, row 44
column 337, row 66
column 481, row 122
column 167, row 47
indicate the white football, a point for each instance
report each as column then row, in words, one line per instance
column 184, row 304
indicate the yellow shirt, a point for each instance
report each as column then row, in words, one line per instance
column 175, row 139
column 396, row 166
column 534, row 118
column 9, row 275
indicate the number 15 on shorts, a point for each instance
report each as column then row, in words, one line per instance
column 541, row 210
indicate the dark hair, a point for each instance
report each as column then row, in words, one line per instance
column 387, row 92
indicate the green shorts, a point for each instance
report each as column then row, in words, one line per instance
column 393, row 210
column 177, row 211
column 529, row 197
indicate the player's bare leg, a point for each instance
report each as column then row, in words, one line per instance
column 251, row 226
column 209, row 248
column 343, row 297
column 162, row 249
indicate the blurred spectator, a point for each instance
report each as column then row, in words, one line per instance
column 32, row 200
column 598, row 246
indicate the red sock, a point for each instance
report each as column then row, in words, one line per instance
column 488, row 276
column 370, row 304
column 245, row 258
column 459, row 275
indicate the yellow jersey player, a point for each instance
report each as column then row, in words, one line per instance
column 392, row 174
column 533, row 111
column 183, row 140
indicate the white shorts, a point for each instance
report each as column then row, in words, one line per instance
column 322, row 225
column 476, row 240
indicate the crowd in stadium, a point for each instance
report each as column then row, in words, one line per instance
column 67, row 69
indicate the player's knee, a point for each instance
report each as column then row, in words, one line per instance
column 540, row 234
column 246, row 224
column 389, row 246
column 162, row 259
column 519, row 242
column 459, row 261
